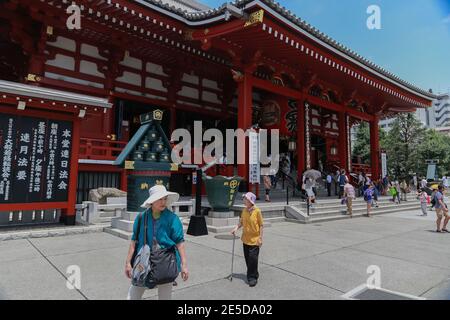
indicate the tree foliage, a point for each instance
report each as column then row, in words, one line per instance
column 408, row 145
column 361, row 147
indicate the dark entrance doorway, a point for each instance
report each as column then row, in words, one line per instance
column 318, row 152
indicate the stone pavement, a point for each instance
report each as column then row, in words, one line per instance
column 316, row 261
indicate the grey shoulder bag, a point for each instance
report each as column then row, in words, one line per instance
column 141, row 264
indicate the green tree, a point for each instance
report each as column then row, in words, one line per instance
column 361, row 147
column 402, row 145
column 435, row 145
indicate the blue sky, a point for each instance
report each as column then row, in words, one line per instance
column 413, row 42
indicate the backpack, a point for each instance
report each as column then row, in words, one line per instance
column 433, row 201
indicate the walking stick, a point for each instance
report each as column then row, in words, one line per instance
column 232, row 258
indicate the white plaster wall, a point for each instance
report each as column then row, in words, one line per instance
column 132, row 63
column 91, row 51
column 190, row 79
column 123, row 90
column 210, row 84
column 130, row 78
column 153, row 83
column 189, row 104
column 155, row 97
column 155, row 68
column 73, row 80
column 210, row 97
column 189, row 92
column 62, row 61
column 90, row 68
column 64, row 43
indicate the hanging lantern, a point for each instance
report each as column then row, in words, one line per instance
column 292, row 146
column 333, row 150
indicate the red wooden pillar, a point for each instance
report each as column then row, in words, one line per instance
column 245, row 101
column 108, row 118
column 375, row 149
column 301, row 149
column 69, row 213
column 343, row 151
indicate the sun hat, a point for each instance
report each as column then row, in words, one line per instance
column 250, row 197
column 158, row 192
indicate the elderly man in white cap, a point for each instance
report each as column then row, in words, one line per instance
column 164, row 230
column 252, row 223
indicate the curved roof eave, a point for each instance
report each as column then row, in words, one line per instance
column 222, row 13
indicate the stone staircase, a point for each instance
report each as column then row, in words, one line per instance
column 331, row 209
column 326, row 209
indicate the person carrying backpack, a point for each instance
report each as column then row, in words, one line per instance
column 441, row 210
column 368, row 197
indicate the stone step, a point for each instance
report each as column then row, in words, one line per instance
column 119, row 233
column 107, row 214
column 125, row 225
column 341, row 216
column 361, row 209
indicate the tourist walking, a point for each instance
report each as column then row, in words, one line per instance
column 252, row 223
column 309, row 188
column 267, row 187
column 368, row 198
column 158, row 227
column 336, row 182
column 361, row 184
column 416, row 186
column 441, row 211
column 376, row 193
column 349, row 194
column 329, row 181
column 423, row 197
column 445, row 182
column 342, row 181
column 404, row 190
column 423, row 183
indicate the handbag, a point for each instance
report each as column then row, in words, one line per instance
column 163, row 264
column 141, row 260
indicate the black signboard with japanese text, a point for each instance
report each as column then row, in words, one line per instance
column 35, row 159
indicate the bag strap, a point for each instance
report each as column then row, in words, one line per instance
column 145, row 227
column 155, row 242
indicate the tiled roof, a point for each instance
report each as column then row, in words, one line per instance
column 198, row 16
column 186, row 5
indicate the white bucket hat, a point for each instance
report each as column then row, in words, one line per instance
column 158, row 192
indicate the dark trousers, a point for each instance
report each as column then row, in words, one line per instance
column 329, row 189
column 251, row 254
column 341, row 191
column 336, row 188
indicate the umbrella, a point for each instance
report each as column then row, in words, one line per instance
column 313, row 174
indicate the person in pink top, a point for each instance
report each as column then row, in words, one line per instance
column 349, row 194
